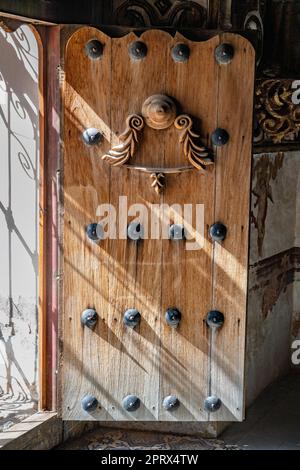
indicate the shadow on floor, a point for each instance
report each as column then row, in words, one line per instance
column 273, row 421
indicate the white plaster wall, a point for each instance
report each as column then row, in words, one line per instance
column 19, row 156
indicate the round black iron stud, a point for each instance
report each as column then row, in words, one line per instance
column 91, row 136
column 94, row 49
column 218, row 232
column 176, row 232
column 131, row 403
column 219, row 137
column 212, row 404
column 89, row 318
column 132, row 317
column 173, row 317
column 135, row 231
column 224, row 53
column 180, row 52
column 171, row 403
column 89, row 403
column 137, row 50
column 94, row 232
column 215, row 319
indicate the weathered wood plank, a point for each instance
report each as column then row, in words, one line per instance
column 86, row 184
column 233, row 166
column 139, row 264
column 187, row 274
column 153, row 360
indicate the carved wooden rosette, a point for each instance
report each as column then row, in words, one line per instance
column 159, row 112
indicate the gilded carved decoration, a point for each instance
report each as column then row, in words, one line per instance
column 277, row 115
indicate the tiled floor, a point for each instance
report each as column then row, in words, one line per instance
column 116, row 439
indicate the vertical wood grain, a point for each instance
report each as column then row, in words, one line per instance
column 187, row 274
column 233, row 167
column 42, row 305
column 153, row 360
column 86, row 185
column 138, row 264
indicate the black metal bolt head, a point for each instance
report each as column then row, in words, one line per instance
column 170, row 403
column 89, row 318
column 176, row 232
column 94, row 232
column 132, row 317
column 89, row 403
column 218, row 232
column 180, row 52
column 212, row 404
column 215, row 319
column 173, row 317
column 224, row 53
column 91, row 136
column 131, row 403
column 135, row 231
column 137, row 50
column 94, row 49
column 219, row 137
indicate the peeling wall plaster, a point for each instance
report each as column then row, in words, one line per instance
column 265, row 169
column 274, row 267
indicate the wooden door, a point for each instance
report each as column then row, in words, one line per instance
column 157, row 132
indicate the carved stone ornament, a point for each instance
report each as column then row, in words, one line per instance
column 159, row 112
column 276, row 114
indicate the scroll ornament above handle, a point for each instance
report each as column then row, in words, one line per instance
column 121, row 153
column 159, row 112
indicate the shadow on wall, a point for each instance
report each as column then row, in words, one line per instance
column 19, row 212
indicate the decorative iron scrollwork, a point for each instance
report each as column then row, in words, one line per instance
column 159, row 112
